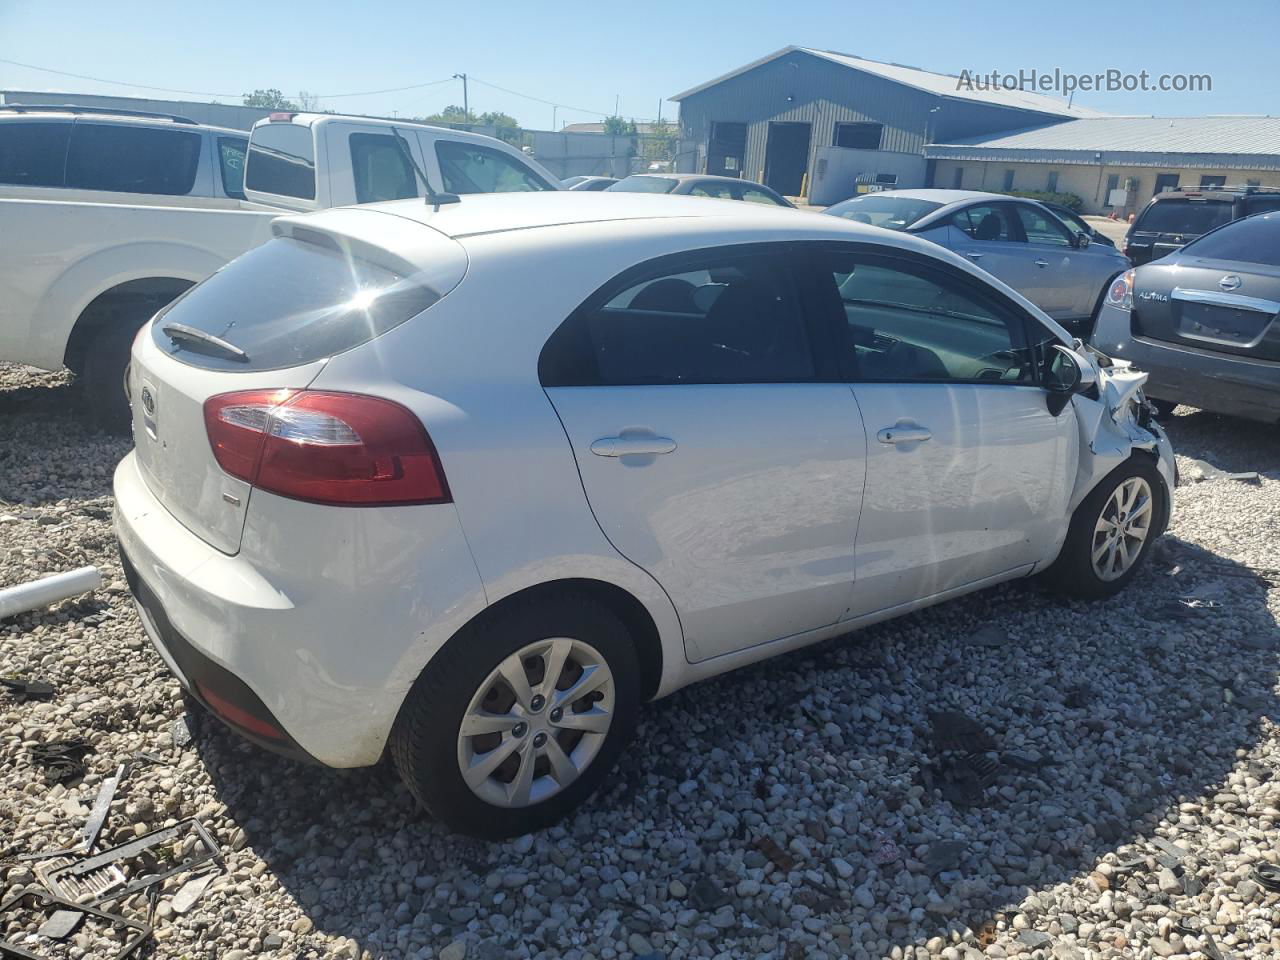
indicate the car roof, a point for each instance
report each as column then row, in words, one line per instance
column 713, row 177
column 22, row 112
column 938, row 196
column 499, row 212
column 324, row 119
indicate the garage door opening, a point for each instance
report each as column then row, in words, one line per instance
column 727, row 149
column 786, row 157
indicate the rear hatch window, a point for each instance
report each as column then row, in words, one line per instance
column 290, row 302
column 282, row 161
column 1255, row 240
column 1181, row 216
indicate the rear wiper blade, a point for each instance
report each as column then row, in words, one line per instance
column 183, row 335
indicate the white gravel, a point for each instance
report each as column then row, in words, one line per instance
column 1139, row 726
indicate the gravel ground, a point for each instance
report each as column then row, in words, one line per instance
column 789, row 810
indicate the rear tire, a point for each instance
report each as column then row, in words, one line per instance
column 1103, row 551
column 464, row 682
column 105, row 364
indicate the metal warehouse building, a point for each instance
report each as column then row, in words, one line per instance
column 1095, row 158
column 817, row 123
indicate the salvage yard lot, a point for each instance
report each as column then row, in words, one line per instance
column 779, row 811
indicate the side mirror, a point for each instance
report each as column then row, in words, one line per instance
column 1068, row 373
column 1082, row 240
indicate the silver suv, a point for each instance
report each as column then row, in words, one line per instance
column 86, row 153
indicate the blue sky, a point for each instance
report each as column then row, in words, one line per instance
column 581, row 55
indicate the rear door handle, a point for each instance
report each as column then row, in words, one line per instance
column 903, row 434
column 974, row 256
column 626, row 446
column 1042, row 263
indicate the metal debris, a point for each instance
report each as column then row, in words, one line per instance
column 61, row 760
column 98, row 813
column 61, row 924
column 190, row 892
column 944, row 855
column 102, row 877
column 28, row 688
column 182, row 730
column 41, row 901
column 953, row 731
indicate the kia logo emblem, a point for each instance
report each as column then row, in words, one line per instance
column 148, row 401
column 1230, row 282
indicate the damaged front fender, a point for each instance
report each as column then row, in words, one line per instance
column 1115, row 420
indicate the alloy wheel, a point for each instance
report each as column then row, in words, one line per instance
column 1122, row 529
column 537, row 721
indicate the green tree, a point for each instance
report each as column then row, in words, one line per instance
column 452, row 114
column 659, row 141
column 270, row 99
column 618, row 127
column 505, row 126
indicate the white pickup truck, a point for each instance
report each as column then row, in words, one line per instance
column 78, row 278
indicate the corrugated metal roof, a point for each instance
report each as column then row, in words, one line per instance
column 1200, row 135
column 939, row 84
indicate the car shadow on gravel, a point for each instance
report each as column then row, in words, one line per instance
column 796, row 789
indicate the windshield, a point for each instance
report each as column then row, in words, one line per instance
column 1255, row 240
column 1184, row 216
column 643, row 185
column 892, row 213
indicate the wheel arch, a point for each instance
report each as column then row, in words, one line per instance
column 136, row 295
column 624, row 605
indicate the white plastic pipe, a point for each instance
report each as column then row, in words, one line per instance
column 41, row 593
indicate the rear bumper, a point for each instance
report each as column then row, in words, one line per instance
column 1201, row 378
column 317, row 627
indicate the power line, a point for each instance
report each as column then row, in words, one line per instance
column 118, row 83
column 549, row 103
column 206, row 93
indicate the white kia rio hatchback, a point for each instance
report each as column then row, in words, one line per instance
column 464, row 485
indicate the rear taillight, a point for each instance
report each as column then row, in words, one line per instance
column 1120, row 293
column 344, row 449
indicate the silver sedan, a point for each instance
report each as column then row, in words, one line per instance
column 1020, row 241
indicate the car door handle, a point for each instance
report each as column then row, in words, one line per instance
column 1042, row 263
column 626, row 446
column 903, row 433
column 974, row 256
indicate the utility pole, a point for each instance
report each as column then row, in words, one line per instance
column 466, row 104
column 554, row 108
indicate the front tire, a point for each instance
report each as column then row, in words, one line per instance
column 1112, row 532
column 520, row 717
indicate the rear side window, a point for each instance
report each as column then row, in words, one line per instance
column 1261, row 204
column 381, row 169
column 231, row 164
column 473, row 168
column 290, row 302
column 1184, row 216
column 988, row 221
column 282, row 160
column 1255, row 240
column 721, row 320
column 132, row 159
column 33, row 154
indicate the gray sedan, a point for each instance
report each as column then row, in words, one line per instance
column 699, row 185
column 1020, row 241
column 1204, row 321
